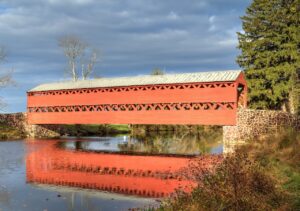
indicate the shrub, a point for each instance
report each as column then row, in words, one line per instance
column 238, row 183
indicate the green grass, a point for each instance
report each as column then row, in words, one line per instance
column 120, row 128
column 95, row 130
column 10, row 133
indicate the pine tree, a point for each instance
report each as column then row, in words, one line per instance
column 270, row 53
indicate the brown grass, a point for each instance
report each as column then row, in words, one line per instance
column 262, row 175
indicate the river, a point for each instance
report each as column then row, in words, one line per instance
column 96, row 173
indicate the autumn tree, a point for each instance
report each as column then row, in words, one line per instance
column 79, row 55
column 270, row 53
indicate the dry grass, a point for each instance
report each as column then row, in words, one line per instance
column 10, row 133
column 262, row 175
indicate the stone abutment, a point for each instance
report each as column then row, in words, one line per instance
column 253, row 124
column 19, row 121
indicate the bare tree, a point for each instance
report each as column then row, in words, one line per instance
column 87, row 64
column 3, row 54
column 75, row 49
column 6, row 77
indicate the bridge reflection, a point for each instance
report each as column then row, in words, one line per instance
column 56, row 163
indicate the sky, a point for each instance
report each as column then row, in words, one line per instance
column 133, row 36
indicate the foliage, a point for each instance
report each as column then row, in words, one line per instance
column 195, row 129
column 10, row 133
column 174, row 142
column 262, row 175
column 279, row 154
column 237, row 184
column 157, row 71
column 270, row 47
column 92, row 130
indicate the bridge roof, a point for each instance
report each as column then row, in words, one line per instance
column 218, row 76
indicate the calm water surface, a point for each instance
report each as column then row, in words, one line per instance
column 97, row 173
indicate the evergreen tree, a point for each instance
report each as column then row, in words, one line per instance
column 270, row 53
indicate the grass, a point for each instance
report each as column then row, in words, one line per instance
column 10, row 133
column 280, row 155
column 262, row 175
column 95, row 130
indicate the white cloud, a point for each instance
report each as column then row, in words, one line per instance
column 230, row 42
column 124, row 13
column 230, row 38
column 172, row 16
column 212, row 25
column 212, row 19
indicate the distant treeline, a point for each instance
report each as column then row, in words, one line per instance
column 102, row 130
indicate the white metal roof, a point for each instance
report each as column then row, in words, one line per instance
column 230, row 75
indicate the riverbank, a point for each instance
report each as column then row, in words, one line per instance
column 94, row 130
column 194, row 129
column 15, row 133
column 13, row 128
column 10, row 133
column 262, row 175
column 136, row 130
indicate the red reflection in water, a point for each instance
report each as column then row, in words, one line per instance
column 151, row 176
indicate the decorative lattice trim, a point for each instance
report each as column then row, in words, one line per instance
column 135, row 107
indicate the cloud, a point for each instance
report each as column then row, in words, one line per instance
column 172, row 16
column 80, row 2
column 133, row 36
column 212, row 20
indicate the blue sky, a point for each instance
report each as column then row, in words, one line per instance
column 134, row 36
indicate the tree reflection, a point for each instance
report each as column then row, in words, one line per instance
column 204, row 141
column 173, row 143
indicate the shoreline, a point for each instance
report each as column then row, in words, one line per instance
column 8, row 133
column 15, row 130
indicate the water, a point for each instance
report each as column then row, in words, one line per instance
column 104, row 173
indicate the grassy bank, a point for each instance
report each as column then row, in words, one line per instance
column 177, row 129
column 10, row 133
column 262, row 175
column 94, row 130
column 137, row 130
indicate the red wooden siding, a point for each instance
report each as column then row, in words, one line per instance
column 212, row 103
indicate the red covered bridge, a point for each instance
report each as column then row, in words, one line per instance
column 206, row 98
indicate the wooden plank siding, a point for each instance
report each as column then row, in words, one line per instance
column 212, row 103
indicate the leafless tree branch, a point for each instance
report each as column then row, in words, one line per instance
column 87, row 65
column 6, row 78
column 3, row 54
column 74, row 49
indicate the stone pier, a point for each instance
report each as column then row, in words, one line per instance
column 19, row 120
column 252, row 124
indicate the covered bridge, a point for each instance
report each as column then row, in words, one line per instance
column 204, row 98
